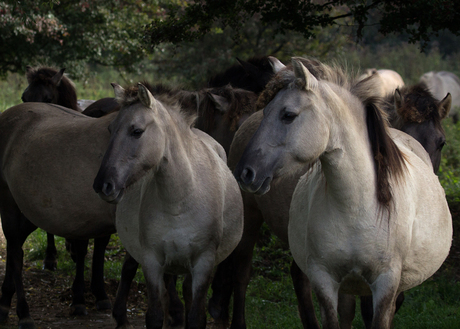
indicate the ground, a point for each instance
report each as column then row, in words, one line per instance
column 50, row 310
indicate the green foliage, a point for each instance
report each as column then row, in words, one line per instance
column 69, row 33
column 449, row 173
column 191, row 20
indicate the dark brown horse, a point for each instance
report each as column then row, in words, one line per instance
column 48, row 85
column 252, row 74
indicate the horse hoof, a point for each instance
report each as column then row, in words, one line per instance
column 27, row 323
column 214, row 309
column 102, row 305
column 4, row 314
column 78, row 309
column 124, row 326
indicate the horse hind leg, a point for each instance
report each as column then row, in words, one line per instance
column 16, row 228
column 79, row 249
column 50, row 262
column 222, row 289
column 128, row 272
column 97, row 274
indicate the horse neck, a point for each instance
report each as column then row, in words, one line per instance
column 174, row 177
column 348, row 165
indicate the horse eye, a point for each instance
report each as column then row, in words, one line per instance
column 136, row 133
column 441, row 144
column 288, row 117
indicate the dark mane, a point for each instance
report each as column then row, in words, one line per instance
column 172, row 98
column 252, row 75
column 240, row 102
column 66, row 89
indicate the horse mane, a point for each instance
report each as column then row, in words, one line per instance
column 241, row 102
column 66, row 89
column 238, row 76
column 168, row 96
column 419, row 105
column 388, row 158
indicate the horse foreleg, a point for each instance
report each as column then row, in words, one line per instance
column 384, row 291
column 50, row 262
column 200, row 279
column 97, row 274
column 80, row 248
column 157, row 293
column 367, row 310
column 302, row 289
column 222, row 289
column 128, row 272
column 327, row 293
column 16, row 228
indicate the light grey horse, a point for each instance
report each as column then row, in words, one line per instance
column 370, row 215
column 179, row 209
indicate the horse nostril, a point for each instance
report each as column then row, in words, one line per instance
column 107, row 188
column 247, row 176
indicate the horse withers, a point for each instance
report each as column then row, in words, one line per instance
column 179, row 209
column 344, row 236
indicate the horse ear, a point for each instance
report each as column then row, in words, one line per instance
column 56, row 79
column 398, row 100
column 119, row 91
column 221, row 103
column 276, row 64
column 444, row 106
column 308, row 80
column 146, row 97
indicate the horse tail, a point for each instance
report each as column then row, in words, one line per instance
column 388, row 158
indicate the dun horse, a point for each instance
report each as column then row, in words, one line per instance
column 389, row 80
column 50, row 155
column 179, row 208
column 325, row 125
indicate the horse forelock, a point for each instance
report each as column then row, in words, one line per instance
column 164, row 94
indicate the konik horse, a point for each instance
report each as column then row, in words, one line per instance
column 382, row 225
column 179, row 209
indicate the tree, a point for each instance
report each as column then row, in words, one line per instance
column 190, row 20
column 72, row 33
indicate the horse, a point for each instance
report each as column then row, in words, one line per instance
column 382, row 225
column 440, row 83
column 179, row 209
column 48, row 85
column 389, row 80
column 251, row 75
column 50, row 155
column 221, row 111
column 415, row 111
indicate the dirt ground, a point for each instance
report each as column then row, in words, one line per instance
column 49, row 295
